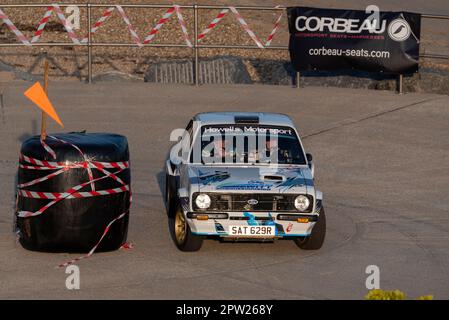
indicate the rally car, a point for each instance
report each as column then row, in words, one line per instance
column 242, row 176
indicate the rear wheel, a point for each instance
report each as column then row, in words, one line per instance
column 316, row 239
column 185, row 240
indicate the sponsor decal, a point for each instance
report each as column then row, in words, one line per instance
column 338, row 25
column 292, row 182
column 219, row 228
column 251, row 185
column 279, row 230
column 336, row 39
column 399, row 30
column 247, row 129
column 212, row 177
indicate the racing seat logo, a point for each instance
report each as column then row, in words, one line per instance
column 399, row 30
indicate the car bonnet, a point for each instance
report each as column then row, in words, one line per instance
column 251, row 179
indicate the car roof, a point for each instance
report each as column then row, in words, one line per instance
column 265, row 118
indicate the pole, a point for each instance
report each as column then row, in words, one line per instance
column 43, row 115
column 298, row 77
column 401, row 84
column 196, row 75
column 89, row 45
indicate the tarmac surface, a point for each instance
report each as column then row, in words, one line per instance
column 382, row 162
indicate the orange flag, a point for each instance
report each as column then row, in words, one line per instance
column 37, row 94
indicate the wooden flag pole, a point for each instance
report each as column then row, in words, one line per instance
column 44, row 115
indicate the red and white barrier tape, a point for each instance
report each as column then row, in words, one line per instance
column 246, row 27
column 131, row 30
column 74, row 192
column 40, row 29
column 167, row 15
column 91, row 252
column 48, row 13
column 50, row 165
column 159, row 25
column 182, row 23
column 48, row 149
column 275, row 29
column 42, row 24
column 66, row 25
column 89, row 170
column 14, row 29
column 127, row 246
column 64, row 195
column 42, row 179
column 85, row 165
column 213, row 23
column 106, row 14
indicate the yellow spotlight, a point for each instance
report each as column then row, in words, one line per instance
column 202, row 217
column 303, row 220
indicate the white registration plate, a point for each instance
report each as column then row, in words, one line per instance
column 252, row 231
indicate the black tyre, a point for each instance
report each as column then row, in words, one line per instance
column 316, row 239
column 184, row 239
column 169, row 196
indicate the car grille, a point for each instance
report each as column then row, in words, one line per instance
column 242, row 202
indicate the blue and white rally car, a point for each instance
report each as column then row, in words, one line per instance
column 242, row 176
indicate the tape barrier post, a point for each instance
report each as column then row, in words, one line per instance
column 298, row 78
column 89, row 42
column 196, row 66
column 43, row 114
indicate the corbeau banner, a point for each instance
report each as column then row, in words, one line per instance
column 332, row 39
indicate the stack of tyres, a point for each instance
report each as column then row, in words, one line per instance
column 75, row 223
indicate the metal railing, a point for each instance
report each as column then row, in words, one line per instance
column 196, row 46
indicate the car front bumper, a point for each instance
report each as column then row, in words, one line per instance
column 297, row 225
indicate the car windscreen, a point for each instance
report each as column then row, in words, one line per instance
column 250, row 144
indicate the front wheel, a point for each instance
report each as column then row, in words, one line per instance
column 170, row 200
column 185, row 240
column 316, row 239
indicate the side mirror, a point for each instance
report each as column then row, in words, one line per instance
column 309, row 157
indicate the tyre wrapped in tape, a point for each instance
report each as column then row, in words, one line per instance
column 52, row 215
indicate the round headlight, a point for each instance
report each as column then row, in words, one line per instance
column 302, row 203
column 202, row 201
